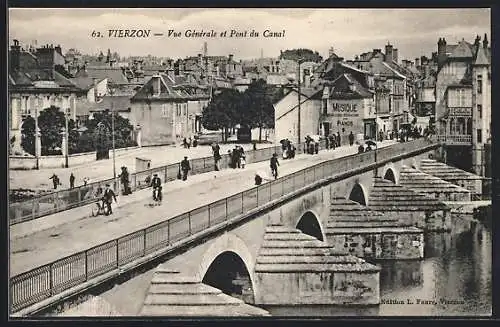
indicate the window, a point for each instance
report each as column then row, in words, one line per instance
column 325, row 107
column 480, row 111
column 479, row 84
column 479, row 136
column 164, row 110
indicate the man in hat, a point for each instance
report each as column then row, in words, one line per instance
column 108, row 197
column 124, row 179
column 185, row 167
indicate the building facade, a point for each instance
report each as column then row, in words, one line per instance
column 463, row 102
column 339, row 100
column 167, row 109
column 37, row 81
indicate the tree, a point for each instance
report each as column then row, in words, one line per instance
column 123, row 128
column 28, row 135
column 223, row 112
column 301, row 54
column 258, row 106
column 51, row 122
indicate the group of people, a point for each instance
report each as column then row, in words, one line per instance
column 56, row 181
column 288, row 149
column 237, row 157
column 187, row 143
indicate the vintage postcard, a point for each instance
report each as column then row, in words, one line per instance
column 249, row 162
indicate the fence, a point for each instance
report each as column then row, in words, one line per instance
column 79, row 196
column 43, row 282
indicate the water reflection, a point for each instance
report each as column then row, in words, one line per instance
column 453, row 279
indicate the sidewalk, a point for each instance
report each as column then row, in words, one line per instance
column 77, row 233
column 103, row 169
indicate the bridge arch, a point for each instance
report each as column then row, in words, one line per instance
column 390, row 176
column 358, row 194
column 310, row 224
column 229, row 259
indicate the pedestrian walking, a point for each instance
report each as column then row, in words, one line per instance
column 327, row 143
column 71, row 181
column 351, row 138
column 331, row 139
column 338, row 139
column 124, row 179
column 85, row 181
column 55, row 181
column 108, row 196
column 361, row 148
column 216, row 154
column 184, row 142
column 274, row 163
column 185, row 168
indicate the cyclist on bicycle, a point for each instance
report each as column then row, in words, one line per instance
column 156, row 185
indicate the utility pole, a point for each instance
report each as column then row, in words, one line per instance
column 66, row 110
column 298, row 127
column 113, row 132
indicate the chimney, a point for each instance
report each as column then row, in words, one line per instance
column 441, row 54
column 485, row 41
column 200, row 59
column 156, row 85
column 15, row 54
column 417, row 62
column 388, row 53
column 395, row 55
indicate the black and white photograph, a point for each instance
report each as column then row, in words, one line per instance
column 249, row 162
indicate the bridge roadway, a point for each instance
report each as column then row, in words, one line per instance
column 76, row 233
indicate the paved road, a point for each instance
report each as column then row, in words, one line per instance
column 50, row 244
column 103, row 169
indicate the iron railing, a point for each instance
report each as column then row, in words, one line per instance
column 43, row 282
column 79, row 196
column 454, row 139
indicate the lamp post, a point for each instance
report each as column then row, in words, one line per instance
column 300, row 61
column 38, row 143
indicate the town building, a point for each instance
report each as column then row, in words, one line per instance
column 338, row 99
column 38, row 80
column 168, row 108
column 392, row 96
column 463, row 103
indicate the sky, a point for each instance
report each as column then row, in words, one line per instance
column 414, row 32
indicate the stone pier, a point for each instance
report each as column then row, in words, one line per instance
column 432, row 186
column 357, row 230
column 453, row 175
column 174, row 294
column 410, row 207
column 297, row 269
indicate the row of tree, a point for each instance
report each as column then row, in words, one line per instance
column 51, row 122
column 252, row 109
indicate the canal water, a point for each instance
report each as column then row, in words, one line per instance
column 453, row 279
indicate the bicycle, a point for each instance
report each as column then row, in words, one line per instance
column 100, row 208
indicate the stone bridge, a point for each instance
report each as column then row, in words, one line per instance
column 314, row 246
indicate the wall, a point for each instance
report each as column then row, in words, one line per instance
column 345, row 116
column 402, row 248
column 318, row 288
column 20, row 162
column 165, row 122
column 286, row 117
